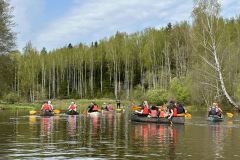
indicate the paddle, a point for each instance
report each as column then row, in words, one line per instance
column 32, row 112
column 56, row 111
column 136, row 108
column 85, row 112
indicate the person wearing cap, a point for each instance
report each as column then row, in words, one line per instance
column 213, row 111
column 72, row 106
column 47, row 106
column 104, row 106
column 180, row 109
column 161, row 113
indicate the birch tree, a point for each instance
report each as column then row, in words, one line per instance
column 209, row 33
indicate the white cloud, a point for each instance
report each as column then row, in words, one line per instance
column 25, row 11
column 91, row 20
column 106, row 17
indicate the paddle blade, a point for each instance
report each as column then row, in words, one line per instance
column 38, row 111
column 229, row 114
column 136, row 108
column 32, row 112
column 85, row 112
column 57, row 111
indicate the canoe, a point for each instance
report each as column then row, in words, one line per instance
column 72, row 112
column 214, row 119
column 175, row 120
column 107, row 112
column 93, row 113
column 46, row 113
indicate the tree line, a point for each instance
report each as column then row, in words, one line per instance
column 192, row 63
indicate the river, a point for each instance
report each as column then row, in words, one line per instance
column 114, row 136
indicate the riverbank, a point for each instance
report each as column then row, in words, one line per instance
column 64, row 104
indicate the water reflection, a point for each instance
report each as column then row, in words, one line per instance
column 71, row 125
column 149, row 134
column 46, row 126
column 216, row 133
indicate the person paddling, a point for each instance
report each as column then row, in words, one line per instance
column 72, row 106
column 110, row 108
column 47, row 106
column 144, row 112
column 180, row 109
column 91, row 107
column 172, row 110
column 213, row 111
column 219, row 110
column 104, row 106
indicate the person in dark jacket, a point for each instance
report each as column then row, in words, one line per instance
column 180, row 109
column 91, row 107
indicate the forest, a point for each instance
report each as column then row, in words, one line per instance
column 193, row 63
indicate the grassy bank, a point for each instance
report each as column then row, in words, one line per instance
column 64, row 104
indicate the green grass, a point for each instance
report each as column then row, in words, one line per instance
column 19, row 105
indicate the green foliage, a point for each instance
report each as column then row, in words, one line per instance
column 138, row 94
column 157, row 96
column 183, row 95
column 12, row 98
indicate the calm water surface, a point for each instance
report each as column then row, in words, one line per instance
column 114, row 136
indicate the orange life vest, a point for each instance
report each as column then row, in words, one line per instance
column 110, row 106
column 95, row 108
column 175, row 112
column 145, row 110
column 154, row 113
column 72, row 106
column 47, row 107
column 161, row 114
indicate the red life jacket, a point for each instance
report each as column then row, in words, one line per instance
column 110, row 106
column 161, row 114
column 175, row 112
column 95, row 108
column 154, row 113
column 47, row 107
column 145, row 110
column 72, row 106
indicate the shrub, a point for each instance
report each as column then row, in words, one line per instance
column 157, row 96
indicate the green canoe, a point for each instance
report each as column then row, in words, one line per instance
column 215, row 119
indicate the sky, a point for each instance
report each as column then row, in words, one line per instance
column 56, row 23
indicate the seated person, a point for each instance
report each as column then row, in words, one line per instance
column 110, row 108
column 213, row 111
column 154, row 112
column 144, row 111
column 72, row 106
column 161, row 113
column 180, row 109
column 104, row 106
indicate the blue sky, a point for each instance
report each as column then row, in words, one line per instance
column 56, row 23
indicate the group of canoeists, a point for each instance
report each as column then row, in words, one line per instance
column 171, row 111
column 214, row 111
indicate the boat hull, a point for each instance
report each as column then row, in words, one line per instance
column 175, row 120
column 107, row 112
column 46, row 113
column 93, row 113
column 72, row 112
column 214, row 119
